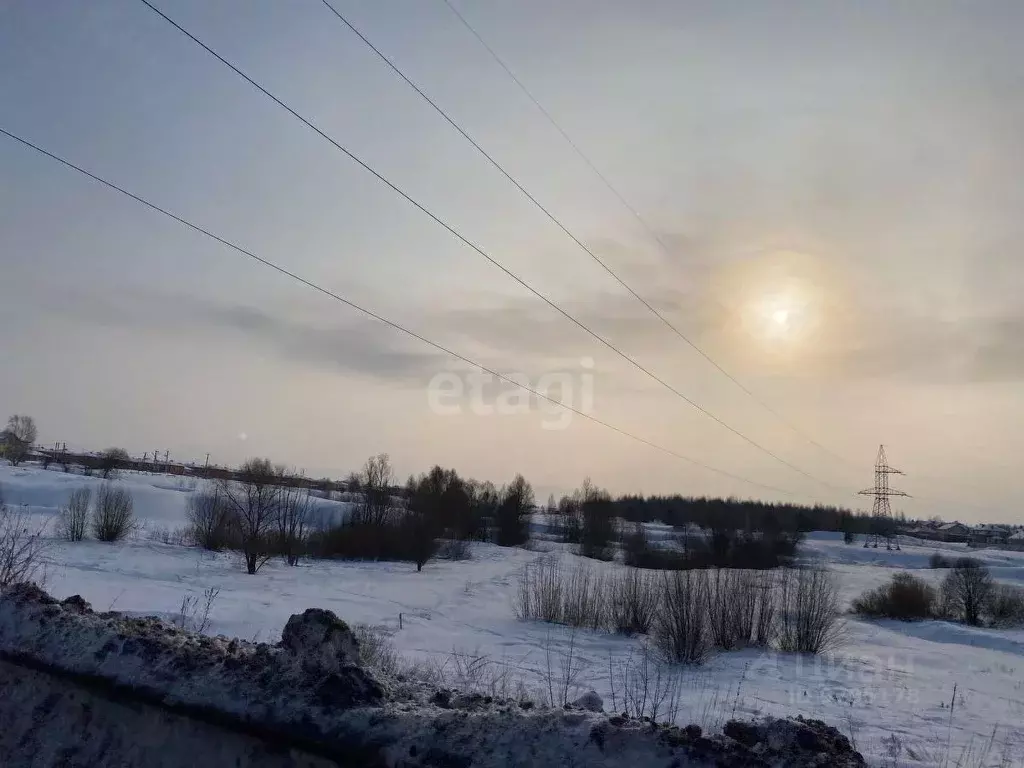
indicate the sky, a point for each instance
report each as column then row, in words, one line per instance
column 823, row 199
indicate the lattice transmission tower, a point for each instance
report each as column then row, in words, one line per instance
column 883, row 526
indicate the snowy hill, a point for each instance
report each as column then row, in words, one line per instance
column 888, row 687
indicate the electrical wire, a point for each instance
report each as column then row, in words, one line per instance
column 611, row 188
column 477, row 249
column 370, row 313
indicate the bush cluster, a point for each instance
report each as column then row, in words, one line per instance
column 904, row 597
column 967, row 594
column 720, row 548
column 109, row 514
column 688, row 612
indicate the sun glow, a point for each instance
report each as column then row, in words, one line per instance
column 777, row 300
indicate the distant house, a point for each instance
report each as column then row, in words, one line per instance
column 992, row 535
column 955, row 531
column 1016, row 540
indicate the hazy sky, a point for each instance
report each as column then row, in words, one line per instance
column 838, row 187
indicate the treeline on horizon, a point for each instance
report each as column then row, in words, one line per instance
column 733, row 513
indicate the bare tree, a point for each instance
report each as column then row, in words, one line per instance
column 419, row 531
column 513, row 514
column 254, row 503
column 209, row 518
column 21, row 546
column 598, row 527
column 113, row 515
column 967, row 589
column 17, row 439
column 112, row 460
column 293, row 523
column 376, row 506
column 74, row 516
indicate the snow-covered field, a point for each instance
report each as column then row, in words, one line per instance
column 889, row 686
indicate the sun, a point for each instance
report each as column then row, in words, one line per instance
column 779, row 304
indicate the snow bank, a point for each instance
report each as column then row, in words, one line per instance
column 308, row 692
column 47, row 721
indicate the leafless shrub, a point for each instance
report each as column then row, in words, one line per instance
column 21, row 546
column 766, row 627
column 645, row 685
column 549, row 593
column 732, row 606
column 681, row 631
column 74, row 516
column 563, row 667
column 808, row 610
column 1006, row 606
column 194, row 613
column 905, row 597
column 209, row 518
column 377, row 652
column 583, row 598
column 938, row 560
column 470, row 672
column 113, row 514
column 455, row 549
column 633, row 597
column 175, row 537
column 539, row 597
column 967, row 589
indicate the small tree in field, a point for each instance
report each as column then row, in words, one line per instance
column 419, row 532
column 74, row 516
column 967, row 589
column 113, row 514
column 513, row 518
column 254, row 503
column 293, row 523
column 111, row 460
column 17, row 439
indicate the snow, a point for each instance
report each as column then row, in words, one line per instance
column 888, row 687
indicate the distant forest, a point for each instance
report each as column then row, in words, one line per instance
column 739, row 514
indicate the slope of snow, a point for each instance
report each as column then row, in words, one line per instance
column 889, row 686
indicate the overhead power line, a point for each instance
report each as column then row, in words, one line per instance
column 611, row 188
column 380, row 318
column 476, row 248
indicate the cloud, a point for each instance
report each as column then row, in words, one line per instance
column 359, row 346
column 931, row 350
